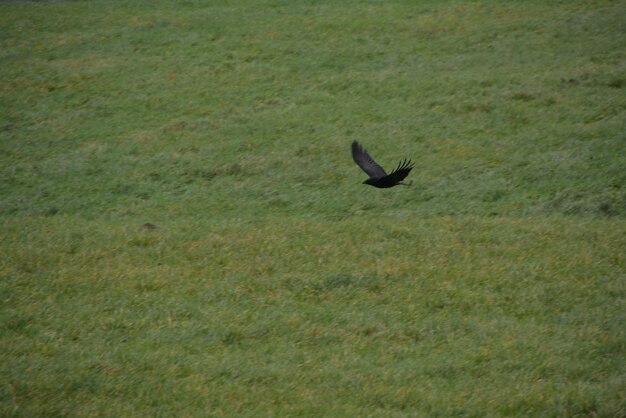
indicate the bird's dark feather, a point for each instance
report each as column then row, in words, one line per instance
column 400, row 173
column 367, row 164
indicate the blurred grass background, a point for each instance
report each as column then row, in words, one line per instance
column 275, row 282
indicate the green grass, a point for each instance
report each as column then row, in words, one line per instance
column 276, row 283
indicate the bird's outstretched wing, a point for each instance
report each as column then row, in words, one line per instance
column 367, row 164
column 400, row 173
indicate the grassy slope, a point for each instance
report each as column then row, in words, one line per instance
column 276, row 282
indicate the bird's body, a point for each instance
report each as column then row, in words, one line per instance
column 377, row 175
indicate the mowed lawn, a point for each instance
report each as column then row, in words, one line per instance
column 184, row 232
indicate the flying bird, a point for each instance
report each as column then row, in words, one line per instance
column 378, row 177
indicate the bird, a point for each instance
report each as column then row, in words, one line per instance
column 377, row 175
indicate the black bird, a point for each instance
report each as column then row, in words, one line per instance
column 378, row 177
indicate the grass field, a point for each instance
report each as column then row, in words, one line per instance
column 275, row 283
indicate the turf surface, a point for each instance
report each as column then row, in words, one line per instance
column 270, row 281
